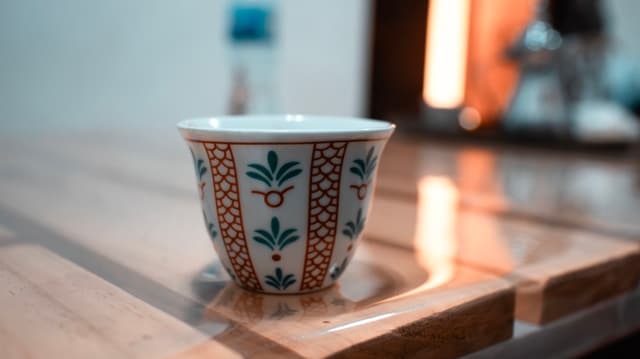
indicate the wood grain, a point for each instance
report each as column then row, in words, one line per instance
column 52, row 308
column 557, row 270
column 433, row 278
column 597, row 192
column 136, row 218
column 448, row 308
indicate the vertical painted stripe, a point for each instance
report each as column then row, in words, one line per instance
column 229, row 211
column 324, row 197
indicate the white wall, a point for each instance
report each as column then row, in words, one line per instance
column 81, row 63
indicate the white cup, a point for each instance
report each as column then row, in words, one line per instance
column 285, row 198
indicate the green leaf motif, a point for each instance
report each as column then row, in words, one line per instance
column 361, row 165
column 280, row 281
column 286, row 167
column 287, row 233
column 259, row 177
column 289, row 175
column 365, row 168
column 210, row 226
column 265, row 234
column 262, row 169
column 212, row 230
column 351, row 226
column 272, row 158
column 336, row 271
column 369, row 155
column 271, row 175
column 264, row 241
column 288, row 241
column 354, row 228
column 287, row 237
column 275, row 227
column 265, row 238
column 356, row 171
column 276, row 240
column 288, row 281
column 199, row 164
column 371, row 167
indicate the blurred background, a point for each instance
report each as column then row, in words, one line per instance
column 560, row 71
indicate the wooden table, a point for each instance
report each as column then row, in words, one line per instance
column 468, row 250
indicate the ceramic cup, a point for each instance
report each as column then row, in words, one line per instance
column 285, row 198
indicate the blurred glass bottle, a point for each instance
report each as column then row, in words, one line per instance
column 253, row 47
column 564, row 88
column 538, row 105
column 587, row 60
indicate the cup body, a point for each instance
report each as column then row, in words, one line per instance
column 285, row 198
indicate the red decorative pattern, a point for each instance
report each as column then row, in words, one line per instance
column 225, row 185
column 202, row 186
column 324, row 192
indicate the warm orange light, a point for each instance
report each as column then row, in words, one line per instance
column 446, row 53
column 435, row 240
column 494, row 25
column 469, row 118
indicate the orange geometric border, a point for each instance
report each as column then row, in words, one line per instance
column 324, row 196
column 229, row 211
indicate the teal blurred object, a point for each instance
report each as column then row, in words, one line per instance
column 253, row 47
column 624, row 80
column 251, row 23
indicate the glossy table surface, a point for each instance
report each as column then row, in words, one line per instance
column 468, row 250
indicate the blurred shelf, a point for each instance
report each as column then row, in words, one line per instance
column 496, row 136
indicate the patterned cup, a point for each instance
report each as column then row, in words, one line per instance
column 285, row 198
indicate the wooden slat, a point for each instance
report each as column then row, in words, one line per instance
column 53, row 309
column 140, row 228
column 387, row 304
column 132, row 210
column 134, row 202
column 557, row 270
column 575, row 335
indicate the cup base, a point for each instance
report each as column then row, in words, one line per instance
column 283, row 293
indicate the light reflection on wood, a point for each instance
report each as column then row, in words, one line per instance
column 434, row 240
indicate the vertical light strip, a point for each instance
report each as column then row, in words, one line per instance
column 435, row 241
column 446, row 53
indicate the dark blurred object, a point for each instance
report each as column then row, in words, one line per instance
column 397, row 58
column 627, row 347
column 584, row 17
column 564, row 91
column 538, row 104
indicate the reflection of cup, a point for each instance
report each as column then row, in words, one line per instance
column 246, row 307
column 285, row 198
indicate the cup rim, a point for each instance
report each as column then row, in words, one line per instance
column 283, row 128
